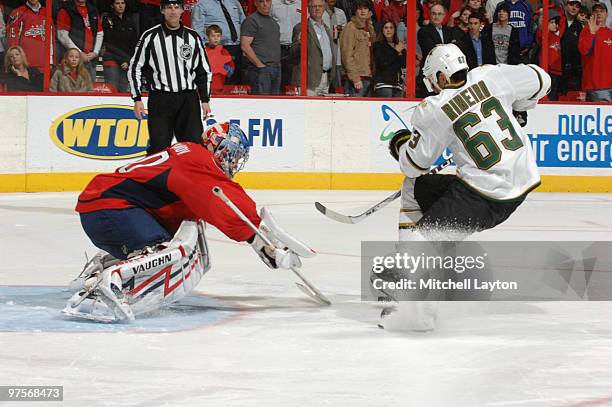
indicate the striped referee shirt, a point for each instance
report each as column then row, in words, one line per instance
column 171, row 61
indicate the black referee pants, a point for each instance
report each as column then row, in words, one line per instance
column 173, row 114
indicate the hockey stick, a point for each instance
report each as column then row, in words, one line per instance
column 307, row 287
column 358, row 218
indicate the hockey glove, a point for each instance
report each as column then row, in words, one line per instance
column 521, row 117
column 400, row 137
column 274, row 256
column 228, row 69
column 265, row 252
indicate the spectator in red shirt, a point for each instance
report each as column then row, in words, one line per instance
column 248, row 6
column 379, row 6
column 2, row 33
column 555, row 66
column 595, row 45
column 188, row 6
column 221, row 63
column 79, row 26
column 26, row 28
column 395, row 11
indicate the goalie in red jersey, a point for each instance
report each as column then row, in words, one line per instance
column 148, row 219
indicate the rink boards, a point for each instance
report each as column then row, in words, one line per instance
column 57, row 143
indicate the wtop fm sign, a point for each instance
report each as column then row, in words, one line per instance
column 111, row 132
column 260, row 132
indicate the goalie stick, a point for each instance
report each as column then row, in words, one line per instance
column 358, row 218
column 307, row 288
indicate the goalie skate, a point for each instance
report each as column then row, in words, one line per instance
column 93, row 266
column 100, row 299
column 142, row 283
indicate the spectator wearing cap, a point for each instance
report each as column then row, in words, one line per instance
column 356, row 49
column 595, row 44
column 569, row 31
column 504, row 37
column 589, row 6
column 260, row 42
column 172, row 58
column 553, row 52
column 521, row 14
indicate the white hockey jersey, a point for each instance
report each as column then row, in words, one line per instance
column 492, row 153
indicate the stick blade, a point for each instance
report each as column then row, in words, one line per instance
column 335, row 215
column 319, row 299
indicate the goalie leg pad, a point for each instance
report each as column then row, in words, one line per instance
column 146, row 282
column 161, row 278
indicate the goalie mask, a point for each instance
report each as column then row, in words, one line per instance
column 445, row 58
column 230, row 146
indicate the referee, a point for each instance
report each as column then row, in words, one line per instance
column 173, row 61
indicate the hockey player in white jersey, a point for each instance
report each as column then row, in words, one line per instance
column 472, row 115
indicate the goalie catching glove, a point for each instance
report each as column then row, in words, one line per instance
column 400, row 137
column 285, row 251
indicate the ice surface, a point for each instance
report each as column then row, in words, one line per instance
column 251, row 338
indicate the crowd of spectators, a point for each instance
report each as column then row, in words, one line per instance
column 355, row 47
